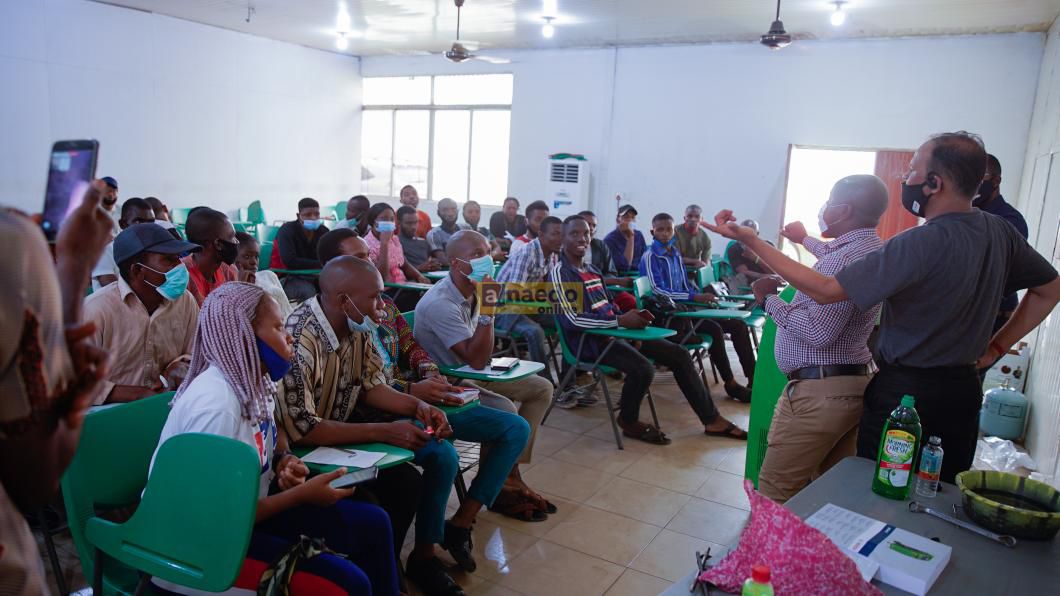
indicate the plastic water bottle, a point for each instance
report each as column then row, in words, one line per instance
column 927, row 479
column 899, row 443
column 759, row 582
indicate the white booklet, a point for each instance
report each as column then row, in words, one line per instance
column 351, row 458
column 906, row 560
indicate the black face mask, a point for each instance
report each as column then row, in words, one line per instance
column 986, row 192
column 913, row 198
column 228, row 252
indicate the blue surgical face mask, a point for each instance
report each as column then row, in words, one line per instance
column 367, row 325
column 276, row 365
column 176, row 281
column 480, row 267
column 311, row 224
column 385, row 226
column 667, row 245
column 351, row 222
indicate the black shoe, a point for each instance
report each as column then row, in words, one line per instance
column 738, row 392
column 458, row 542
column 431, row 577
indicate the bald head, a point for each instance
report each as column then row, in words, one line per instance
column 344, row 274
column 350, row 289
column 466, row 245
column 865, row 194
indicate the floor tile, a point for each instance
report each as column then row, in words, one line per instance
column 563, row 509
column 578, row 420
column 659, row 471
column 671, row 555
column 550, row 439
column 566, row 480
column 734, row 462
column 603, row 534
column 642, row 502
column 599, row 455
column 548, row 568
column 635, row 583
column 725, row 488
column 710, row 521
column 496, row 546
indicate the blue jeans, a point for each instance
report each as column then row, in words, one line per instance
column 533, row 334
column 505, row 434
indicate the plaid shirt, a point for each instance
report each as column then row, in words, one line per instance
column 529, row 264
column 811, row 334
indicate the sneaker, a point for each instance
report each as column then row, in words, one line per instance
column 458, row 542
column 431, row 577
column 587, row 399
column 567, row 400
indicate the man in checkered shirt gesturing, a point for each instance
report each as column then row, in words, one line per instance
column 822, row 347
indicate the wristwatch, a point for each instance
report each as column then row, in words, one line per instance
column 485, row 320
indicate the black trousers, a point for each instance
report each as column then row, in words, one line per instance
column 299, row 288
column 640, row 371
column 716, row 329
column 405, row 300
column 947, row 400
column 397, row 491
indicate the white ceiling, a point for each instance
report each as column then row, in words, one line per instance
column 416, row 26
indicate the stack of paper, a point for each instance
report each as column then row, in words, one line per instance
column 905, row 560
column 350, row 458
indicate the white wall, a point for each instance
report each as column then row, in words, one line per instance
column 1039, row 201
column 189, row 113
column 712, row 123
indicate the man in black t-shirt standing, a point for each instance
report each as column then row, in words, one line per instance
column 940, row 285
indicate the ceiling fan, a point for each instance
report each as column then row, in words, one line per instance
column 777, row 37
column 461, row 50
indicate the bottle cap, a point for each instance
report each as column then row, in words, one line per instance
column 760, row 574
column 908, row 401
column 934, row 440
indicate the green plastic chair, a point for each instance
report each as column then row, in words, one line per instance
column 180, row 215
column 190, row 533
column 705, row 276
column 410, row 317
column 267, row 233
column 266, row 256
column 255, row 214
column 340, row 210
column 642, row 288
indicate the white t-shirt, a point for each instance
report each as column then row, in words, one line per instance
column 209, row 405
column 105, row 266
column 268, row 281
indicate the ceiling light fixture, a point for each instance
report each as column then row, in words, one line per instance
column 838, row 17
column 341, row 42
column 548, row 29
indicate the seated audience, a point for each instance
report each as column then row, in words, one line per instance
column 663, row 265
column 161, row 211
column 743, row 260
column 388, row 255
column 598, row 311
column 417, row 250
column 336, row 366
column 507, row 224
column 693, row 242
column 625, row 243
column 146, row 320
column 241, row 350
column 110, row 201
column 530, row 266
column 472, row 213
column 449, row 327
column 213, row 265
column 409, row 196
column 48, row 372
column 295, row 247
column 438, row 237
column 598, row 255
column 822, row 347
column 536, row 212
column 133, row 211
column 247, row 262
column 356, row 208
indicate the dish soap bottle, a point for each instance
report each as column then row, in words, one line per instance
column 759, row 583
column 898, row 447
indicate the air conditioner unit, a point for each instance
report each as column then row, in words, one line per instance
column 567, row 190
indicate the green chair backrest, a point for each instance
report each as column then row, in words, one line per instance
column 109, row 469
column 267, row 233
column 180, row 215
column 194, row 523
column 265, row 257
column 255, row 214
column 641, row 288
column 410, row 318
column 568, row 354
column 340, row 211
column 243, row 214
column 724, row 267
column 705, row 276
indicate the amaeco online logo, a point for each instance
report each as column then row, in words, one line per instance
column 529, row 298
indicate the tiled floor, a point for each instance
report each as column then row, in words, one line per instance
column 629, row 521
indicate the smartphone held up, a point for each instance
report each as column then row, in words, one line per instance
column 71, row 169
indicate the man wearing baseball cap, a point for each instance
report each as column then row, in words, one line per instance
column 626, row 244
column 146, row 321
column 109, row 201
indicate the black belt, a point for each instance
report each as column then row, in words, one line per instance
column 831, row 370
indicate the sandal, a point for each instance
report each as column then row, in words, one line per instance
column 518, row 506
column 645, row 432
column 739, row 434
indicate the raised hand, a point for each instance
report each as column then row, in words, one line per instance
column 725, row 225
column 794, row 231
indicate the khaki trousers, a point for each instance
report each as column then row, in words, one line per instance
column 815, row 425
column 532, row 394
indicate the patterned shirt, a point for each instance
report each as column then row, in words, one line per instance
column 812, row 334
column 527, row 265
column 395, row 254
column 597, row 310
column 327, row 375
column 403, row 354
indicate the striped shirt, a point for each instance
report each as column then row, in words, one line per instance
column 812, row 334
column 527, row 265
column 596, row 311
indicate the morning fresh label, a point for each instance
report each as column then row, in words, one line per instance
column 896, row 462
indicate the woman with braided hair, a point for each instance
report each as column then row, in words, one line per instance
column 240, row 350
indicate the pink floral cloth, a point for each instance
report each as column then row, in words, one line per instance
column 801, row 559
column 395, row 255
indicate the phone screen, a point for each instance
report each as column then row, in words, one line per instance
column 71, row 169
column 355, row 478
